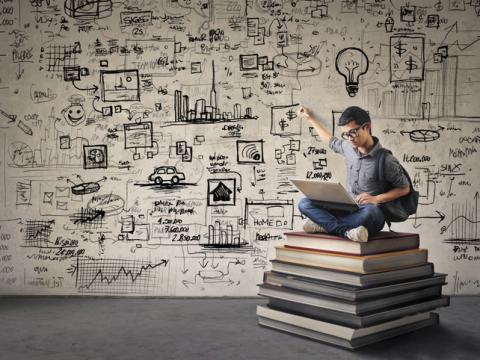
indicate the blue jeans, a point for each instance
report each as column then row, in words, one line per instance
column 337, row 222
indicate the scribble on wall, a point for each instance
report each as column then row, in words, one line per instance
column 148, row 146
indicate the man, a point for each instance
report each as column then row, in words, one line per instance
column 362, row 152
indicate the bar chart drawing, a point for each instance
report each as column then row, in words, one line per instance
column 223, row 236
column 463, row 228
column 201, row 111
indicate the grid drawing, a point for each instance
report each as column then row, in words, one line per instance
column 37, row 232
column 60, row 56
column 88, row 218
column 119, row 276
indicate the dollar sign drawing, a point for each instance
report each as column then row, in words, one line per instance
column 399, row 48
column 411, row 64
column 283, row 124
column 291, row 114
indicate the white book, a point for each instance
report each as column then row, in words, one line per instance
column 339, row 331
column 354, row 263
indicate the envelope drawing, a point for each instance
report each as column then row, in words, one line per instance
column 48, row 197
column 62, row 191
column 62, row 205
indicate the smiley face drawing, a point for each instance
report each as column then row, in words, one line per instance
column 74, row 114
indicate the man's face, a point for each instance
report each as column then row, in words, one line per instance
column 358, row 135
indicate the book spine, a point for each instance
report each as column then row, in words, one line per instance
column 330, row 261
column 353, row 251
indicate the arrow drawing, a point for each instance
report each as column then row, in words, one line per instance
column 94, row 87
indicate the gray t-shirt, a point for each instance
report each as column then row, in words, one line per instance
column 362, row 169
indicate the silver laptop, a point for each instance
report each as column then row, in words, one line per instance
column 332, row 195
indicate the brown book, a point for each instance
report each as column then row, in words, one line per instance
column 386, row 241
column 353, row 263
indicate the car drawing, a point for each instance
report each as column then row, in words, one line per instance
column 166, row 174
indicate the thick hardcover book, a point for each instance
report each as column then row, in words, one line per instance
column 358, row 321
column 348, row 292
column 350, row 278
column 340, row 331
column 354, row 263
column 345, row 343
column 351, row 307
column 386, row 241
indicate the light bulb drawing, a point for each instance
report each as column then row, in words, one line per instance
column 351, row 63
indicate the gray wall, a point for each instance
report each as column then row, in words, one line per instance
column 95, row 96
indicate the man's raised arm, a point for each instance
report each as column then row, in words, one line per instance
column 324, row 134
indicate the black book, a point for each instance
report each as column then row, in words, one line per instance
column 348, row 292
column 359, row 321
column 351, row 278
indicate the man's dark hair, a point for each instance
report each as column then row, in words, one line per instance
column 354, row 113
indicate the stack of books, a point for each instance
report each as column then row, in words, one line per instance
column 351, row 294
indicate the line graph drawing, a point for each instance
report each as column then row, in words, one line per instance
column 463, row 228
column 60, row 56
column 37, row 232
column 88, row 218
column 118, row 276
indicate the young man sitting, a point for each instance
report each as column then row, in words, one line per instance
column 362, row 152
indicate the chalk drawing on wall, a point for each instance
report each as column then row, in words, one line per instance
column 148, row 147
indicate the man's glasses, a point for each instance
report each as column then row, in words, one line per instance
column 352, row 134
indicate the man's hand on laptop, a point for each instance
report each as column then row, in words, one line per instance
column 365, row 198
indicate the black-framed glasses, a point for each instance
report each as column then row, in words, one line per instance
column 353, row 133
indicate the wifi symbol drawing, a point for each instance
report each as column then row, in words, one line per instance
column 250, row 152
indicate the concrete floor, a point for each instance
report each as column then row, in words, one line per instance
column 121, row 328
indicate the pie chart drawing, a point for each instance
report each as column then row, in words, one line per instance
column 20, row 154
column 424, row 135
column 85, row 188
